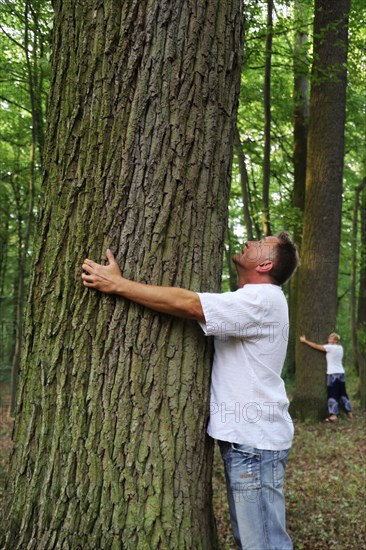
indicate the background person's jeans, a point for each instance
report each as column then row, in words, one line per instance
column 336, row 388
column 254, row 480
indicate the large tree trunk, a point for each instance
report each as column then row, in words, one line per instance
column 322, row 218
column 110, row 446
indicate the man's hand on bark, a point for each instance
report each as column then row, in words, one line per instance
column 105, row 278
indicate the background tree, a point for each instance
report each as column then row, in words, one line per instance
column 110, row 446
column 300, row 121
column 361, row 314
column 245, row 189
column 356, row 314
column 267, row 121
column 322, row 218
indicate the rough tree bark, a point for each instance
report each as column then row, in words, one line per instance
column 110, row 447
column 317, row 306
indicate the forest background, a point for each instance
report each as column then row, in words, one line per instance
column 267, row 148
column 266, row 181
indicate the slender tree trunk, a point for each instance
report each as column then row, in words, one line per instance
column 33, row 48
column 267, row 122
column 21, row 289
column 229, row 252
column 301, row 118
column 5, row 323
column 353, row 298
column 17, row 317
column 301, row 114
column 322, row 219
column 244, row 182
column 110, row 445
column 4, row 244
column 361, row 315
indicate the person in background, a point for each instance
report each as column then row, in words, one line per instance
column 336, row 382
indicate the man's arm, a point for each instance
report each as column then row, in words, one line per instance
column 174, row 301
column 312, row 344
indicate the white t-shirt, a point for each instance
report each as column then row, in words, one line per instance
column 249, row 405
column 334, row 358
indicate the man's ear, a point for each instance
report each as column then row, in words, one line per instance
column 264, row 267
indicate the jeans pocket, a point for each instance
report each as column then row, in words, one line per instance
column 279, row 467
column 245, row 469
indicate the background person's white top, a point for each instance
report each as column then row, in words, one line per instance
column 334, row 358
column 249, row 405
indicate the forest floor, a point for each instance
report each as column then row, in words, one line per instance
column 325, row 484
column 325, row 487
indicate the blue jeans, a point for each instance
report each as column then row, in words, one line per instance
column 336, row 388
column 254, row 480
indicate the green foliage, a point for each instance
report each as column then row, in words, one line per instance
column 19, row 67
column 251, row 117
column 251, row 126
column 354, row 165
column 24, row 70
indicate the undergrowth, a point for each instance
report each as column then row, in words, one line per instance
column 325, row 488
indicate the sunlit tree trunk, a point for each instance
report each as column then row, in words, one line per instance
column 110, row 446
column 317, row 306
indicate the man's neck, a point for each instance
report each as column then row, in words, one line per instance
column 253, row 279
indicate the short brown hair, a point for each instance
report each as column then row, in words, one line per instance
column 286, row 259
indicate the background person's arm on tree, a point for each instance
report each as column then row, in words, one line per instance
column 312, row 344
column 174, row 301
